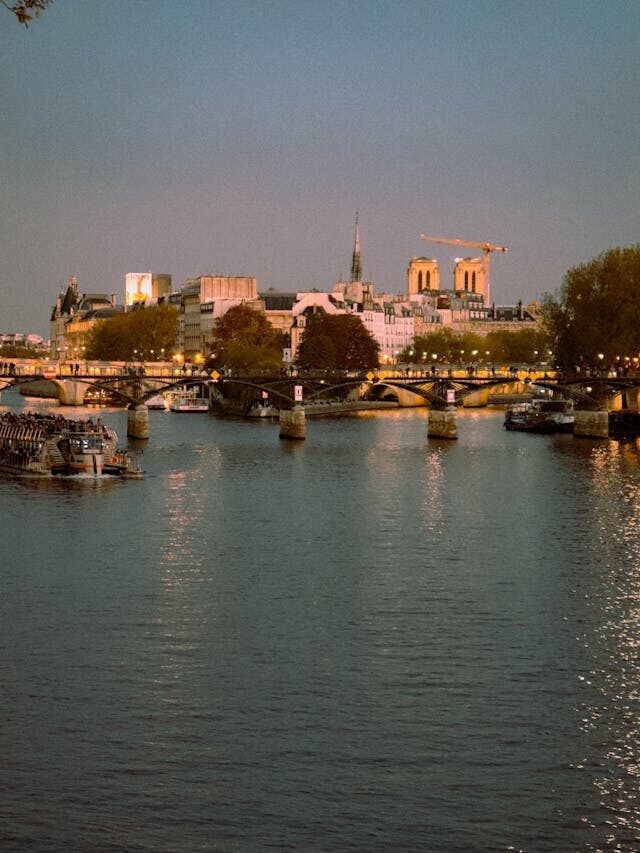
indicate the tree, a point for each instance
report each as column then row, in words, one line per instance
column 143, row 333
column 525, row 345
column 341, row 339
column 317, row 353
column 445, row 344
column 502, row 345
column 244, row 339
column 593, row 317
column 14, row 351
column 26, row 10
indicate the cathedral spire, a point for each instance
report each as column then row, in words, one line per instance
column 356, row 270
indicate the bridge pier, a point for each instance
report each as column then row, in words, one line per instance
column 292, row 423
column 442, row 423
column 591, row 424
column 138, row 421
column 71, row 393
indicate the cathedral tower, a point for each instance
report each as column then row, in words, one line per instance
column 423, row 275
column 470, row 276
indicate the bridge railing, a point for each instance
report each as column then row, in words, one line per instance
column 453, row 370
column 72, row 367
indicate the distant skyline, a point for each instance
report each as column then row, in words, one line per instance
column 240, row 138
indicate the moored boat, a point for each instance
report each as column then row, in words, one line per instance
column 187, row 400
column 157, row 402
column 262, row 409
column 541, row 416
column 44, row 445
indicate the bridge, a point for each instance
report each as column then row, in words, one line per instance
column 594, row 395
column 440, row 390
column 131, row 388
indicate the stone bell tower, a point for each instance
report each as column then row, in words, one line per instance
column 470, row 276
column 423, row 275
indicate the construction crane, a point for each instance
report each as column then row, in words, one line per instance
column 487, row 248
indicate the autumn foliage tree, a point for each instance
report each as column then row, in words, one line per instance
column 142, row 334
column 245, row 340
column 26, row 10
column 593, row 317
column 337, row 341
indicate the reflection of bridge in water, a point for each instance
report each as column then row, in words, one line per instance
column 440, row 392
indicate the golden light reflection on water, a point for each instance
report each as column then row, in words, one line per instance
column 433, row 478
column 610, row 716
column 179, row 620
column 183, row 515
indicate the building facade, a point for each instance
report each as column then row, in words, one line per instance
column 73, row 317
column 203, row 301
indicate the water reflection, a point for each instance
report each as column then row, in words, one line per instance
column 378, row 634
column 433, row 478
column 610, row 713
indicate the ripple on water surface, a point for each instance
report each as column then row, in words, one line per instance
column 365, row 641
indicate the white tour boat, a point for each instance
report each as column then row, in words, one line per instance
column 44, row 444
column 187, row 400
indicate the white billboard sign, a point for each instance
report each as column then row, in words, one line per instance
column 137, row 287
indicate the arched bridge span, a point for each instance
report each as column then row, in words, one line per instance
column 131, row 390
column 282, row 388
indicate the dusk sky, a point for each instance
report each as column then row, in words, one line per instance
column 241, row 137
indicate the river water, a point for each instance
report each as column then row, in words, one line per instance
column 367, row 641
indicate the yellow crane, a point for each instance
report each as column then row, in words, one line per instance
column 487, row 248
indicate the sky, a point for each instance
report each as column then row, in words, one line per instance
column 240, row 137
